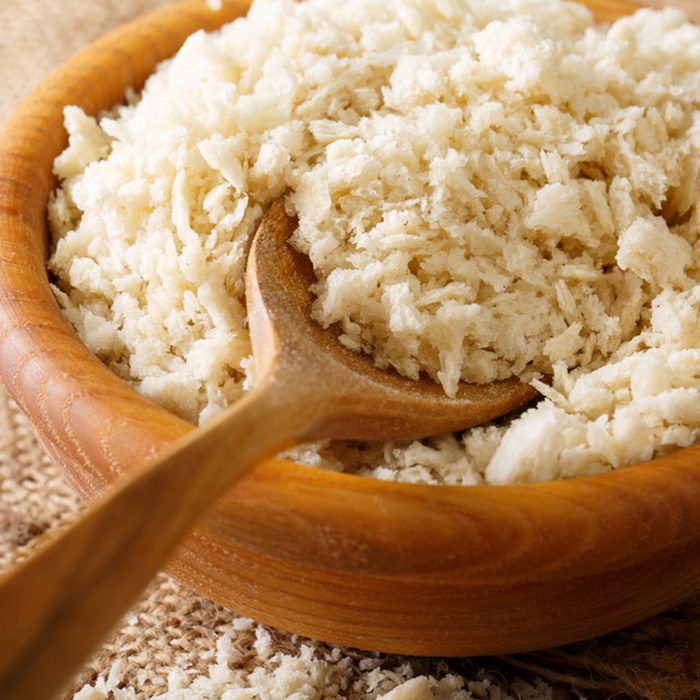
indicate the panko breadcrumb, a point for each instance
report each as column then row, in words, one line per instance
column 484, row 190
column 308, row 675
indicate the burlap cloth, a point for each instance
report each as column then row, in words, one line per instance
column 175, row 633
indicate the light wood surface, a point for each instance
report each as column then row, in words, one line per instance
column 421, row 570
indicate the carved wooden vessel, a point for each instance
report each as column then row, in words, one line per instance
column 401, row 568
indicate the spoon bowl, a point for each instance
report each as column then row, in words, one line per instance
column 355, row 399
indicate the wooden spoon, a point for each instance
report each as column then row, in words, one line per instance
column 58, row 605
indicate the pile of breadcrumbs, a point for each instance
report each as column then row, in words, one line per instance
column 484, row 189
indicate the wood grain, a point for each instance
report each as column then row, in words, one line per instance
column 690, row 7
column 420, row 570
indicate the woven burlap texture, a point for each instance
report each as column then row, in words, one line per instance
column 172, row 628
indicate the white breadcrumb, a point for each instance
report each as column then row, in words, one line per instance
column 307, row 675
column 484, row 189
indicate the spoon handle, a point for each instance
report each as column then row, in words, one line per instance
column 58, row 605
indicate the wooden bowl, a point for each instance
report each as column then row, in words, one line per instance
column 399, row 568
